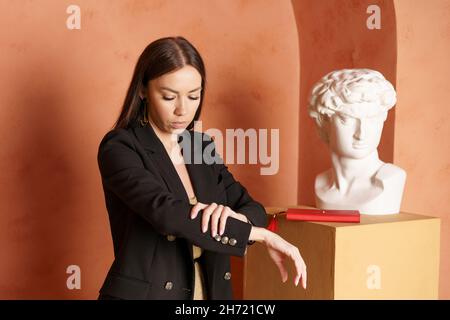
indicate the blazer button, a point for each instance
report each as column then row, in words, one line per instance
column 227, row 276
column 224, row 240
column 232, row 242
column 169, row 285
column 217, row 237
column 171, row 237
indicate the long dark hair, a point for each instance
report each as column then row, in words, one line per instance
column 159, row 57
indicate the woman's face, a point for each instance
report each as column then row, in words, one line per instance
column 173, row 99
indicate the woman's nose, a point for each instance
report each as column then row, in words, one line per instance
column 180, row 108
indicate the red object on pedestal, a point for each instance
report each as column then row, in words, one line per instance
column 323, row 215
column 273, row 224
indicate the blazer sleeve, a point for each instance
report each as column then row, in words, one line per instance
column 238, row 198
column 123, row 173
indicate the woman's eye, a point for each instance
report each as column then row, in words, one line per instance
column 194, row 98
column 168, row 98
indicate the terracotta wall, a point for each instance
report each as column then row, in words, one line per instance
column 422, row 130
column 62, row 91
column 411, row 50
column 333, row 35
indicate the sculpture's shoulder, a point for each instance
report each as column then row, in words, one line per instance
column 390, row 173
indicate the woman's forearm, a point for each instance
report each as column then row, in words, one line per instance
column 258, row 234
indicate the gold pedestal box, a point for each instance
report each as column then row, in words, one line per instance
column 382, row 257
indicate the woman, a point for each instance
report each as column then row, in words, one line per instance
column 160, row 208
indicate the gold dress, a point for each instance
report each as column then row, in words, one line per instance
column 199, row 280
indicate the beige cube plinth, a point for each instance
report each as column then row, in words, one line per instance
column 382, row 257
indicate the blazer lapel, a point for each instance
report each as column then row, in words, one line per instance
column 200, row 176
column 156, row 151
column 158, row 154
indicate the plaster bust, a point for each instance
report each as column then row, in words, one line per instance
column 349, row 107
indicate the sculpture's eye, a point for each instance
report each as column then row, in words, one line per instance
column 345, row 120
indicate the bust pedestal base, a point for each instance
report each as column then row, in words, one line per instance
column 383, row 257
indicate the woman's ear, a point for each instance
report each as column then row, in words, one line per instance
column 143, row 93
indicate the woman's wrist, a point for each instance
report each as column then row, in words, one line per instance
column 258, row 234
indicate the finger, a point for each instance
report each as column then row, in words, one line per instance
column 215, row 219
column 239, row 216
column 206, row 215
column 304, row 277
column 196, row 209
column 283, row 271
column 298, row 264
column 223, row 219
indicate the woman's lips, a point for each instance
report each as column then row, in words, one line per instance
column 178, row 124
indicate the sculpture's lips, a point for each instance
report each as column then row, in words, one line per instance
column 359, row 145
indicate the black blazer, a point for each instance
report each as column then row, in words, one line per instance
column 149, row 208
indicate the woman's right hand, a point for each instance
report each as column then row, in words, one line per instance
column 279, row 249
column 217, row 215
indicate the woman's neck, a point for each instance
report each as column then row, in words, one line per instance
column 347, row 170
column 169, row 140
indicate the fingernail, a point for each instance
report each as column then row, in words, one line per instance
column 221, row 232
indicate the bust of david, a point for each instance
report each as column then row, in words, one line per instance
column 350, row 107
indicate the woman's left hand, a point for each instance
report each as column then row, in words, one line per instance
column 217, row 215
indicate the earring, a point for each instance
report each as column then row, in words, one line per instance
column 145, row 120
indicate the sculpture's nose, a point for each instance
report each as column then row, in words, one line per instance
column 361, row 130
